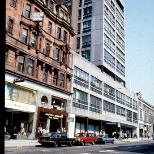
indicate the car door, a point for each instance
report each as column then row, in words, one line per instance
column 64, row 139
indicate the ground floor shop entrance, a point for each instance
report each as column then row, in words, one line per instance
column 18, row 124
column 51, row 120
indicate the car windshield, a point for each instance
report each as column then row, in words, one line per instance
column 80, row 134
column 101, row 135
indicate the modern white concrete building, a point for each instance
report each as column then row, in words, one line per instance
column 100, row 103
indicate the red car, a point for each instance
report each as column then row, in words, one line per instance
column 82, row 138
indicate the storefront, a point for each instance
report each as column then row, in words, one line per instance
column 83, row 124
column 20, row 107
column 51, row 116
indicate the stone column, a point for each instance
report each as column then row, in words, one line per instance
column 48, row 126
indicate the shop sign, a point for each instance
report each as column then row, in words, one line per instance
column 111, row 123
column 38, row 16
column 19, row 106
column 19, row 94
column 54, row 115
column 70, row 119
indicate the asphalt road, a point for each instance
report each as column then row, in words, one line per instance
column 142, row 147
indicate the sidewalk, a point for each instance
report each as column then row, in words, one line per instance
column 133, row 139
column 27, row 143
column 20, row 143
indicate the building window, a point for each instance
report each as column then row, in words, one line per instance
column 30, row 67
column 95, row 104
column 78, row 42
column 86, row 41
column 45, row 74
column 87, row 12
column 79, row 14
column 21, row 60
column 55, row 78
column 10, row 26
column 109, row 59
column 13, row 3
column 63, row 57
column 33, row 39
column 49, row 27
column 58, row 33
column 80, row 99
column 36, row 10
column 79, row 28
column 86, row 54
column 6, row 54
column 65, row 36
column 57, row 54
column 61, row 80
column 47, row 49
column 24, row 36
column 86, row 26
column 27, row 11
column 51, row 6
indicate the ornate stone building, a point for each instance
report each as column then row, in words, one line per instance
column 38, row 65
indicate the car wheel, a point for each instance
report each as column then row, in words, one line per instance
column 43, row 144
column 70, row 144
column 82, row 143
column 92, row 142
column 55, row 144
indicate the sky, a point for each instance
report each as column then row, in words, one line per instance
column 139, row 35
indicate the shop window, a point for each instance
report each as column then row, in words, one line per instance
column 10, row 26
column 58, row 104
column 13, row 3
column 30, row 67
column 58, row 33
column 27, row 11
column 61, row 80
column 21, row 63
column 24, row 36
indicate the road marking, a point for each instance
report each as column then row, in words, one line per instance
column 110, row 151
column 45, row 150
column 126, row 148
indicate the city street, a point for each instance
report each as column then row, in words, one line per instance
column 140, row 147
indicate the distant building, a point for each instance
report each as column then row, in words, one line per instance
column 146, row 117
column 38, row 66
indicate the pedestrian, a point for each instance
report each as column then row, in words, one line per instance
column 40, row 130
column 100, row 132
column 64, row 130
column 43, row 131
column 58, row 131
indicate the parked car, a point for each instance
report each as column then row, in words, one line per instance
column 83, row 138
column 105, row 138
column 55, row 139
